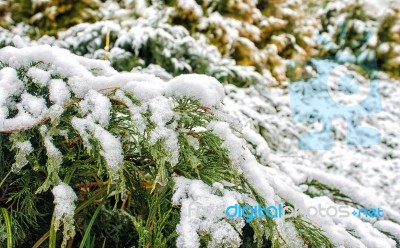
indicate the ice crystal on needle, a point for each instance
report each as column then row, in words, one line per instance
column 24, row 149
column 64, row 200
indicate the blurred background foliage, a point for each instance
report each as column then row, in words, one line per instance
column 50, row 16
column 262, row 35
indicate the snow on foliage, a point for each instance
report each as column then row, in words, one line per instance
column 143, row 122
column 64, row 200
column 209, row 91
column 89, row 87
column 203, row 211
column 357, row 32
column 87, row 84
column 369, row 170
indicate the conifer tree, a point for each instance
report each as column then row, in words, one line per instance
column 4, row 14
column 388, row 51
column 254, row 33
column 352, row 34
column 48, row 17
column 99, row 141
column 117, row 153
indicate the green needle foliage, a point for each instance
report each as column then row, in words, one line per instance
column 80, row 177
column 115, row 207
column 135, row 197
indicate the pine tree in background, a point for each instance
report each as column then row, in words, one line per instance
column 4, row 14
column 352, row 34
column 243, row 32
column 48, row 17
column 254, row 33
column 388, row 51
column 348, row 32
column 260, row 34
column 144, row 42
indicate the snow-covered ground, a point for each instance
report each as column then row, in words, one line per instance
column 367, row 174
column 376, row 167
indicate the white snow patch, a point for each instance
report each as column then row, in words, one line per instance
column 203, row 212
column 111, row 146
column 204, row 88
